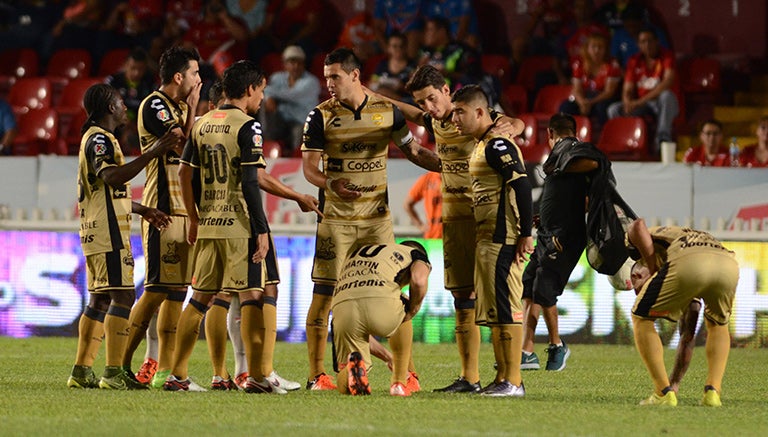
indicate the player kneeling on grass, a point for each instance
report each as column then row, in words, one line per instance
column 676, row 265
column 367, row 301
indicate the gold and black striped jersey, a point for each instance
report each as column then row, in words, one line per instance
column 158, row 114
column 354, row 145
column 371, row 269
column 496, row 162
column 454, row 150
column 221, row 142
column 105, row 212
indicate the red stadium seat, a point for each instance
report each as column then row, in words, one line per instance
column 71, row 133
column 113, row 61
column 530, row 67
column 514, row 99
column 272, row 149
column 66, row 65
column 550, row 97
column 272, row 63
column 38, row 133
column 497, row 66
column 421, row 134
column 17, row 63
column 624, row 138
column 700, row 75
column 71, row 100
column 583, row 128
column 530, row 134
column 30, row 93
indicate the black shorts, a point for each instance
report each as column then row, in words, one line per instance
column 552, row 262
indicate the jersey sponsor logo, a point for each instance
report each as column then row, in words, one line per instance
column 217, row 221
column 335, row 164
column 120, row 192
column 212, row 128
column 399, row 256
column 171, row 256
column 360, row 166
column 455, row 167
column 456, row 190
column 483, row 199
column 163, row 115
column 377, row 119
column 499, row 145
column 445, row 148
column 336, row 122
column 128, row 260
column 361, row 283
column 100, row 149
column 221, row 114
column 86, row 239
column 357, row 147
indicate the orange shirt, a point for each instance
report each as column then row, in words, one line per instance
column 427, row 188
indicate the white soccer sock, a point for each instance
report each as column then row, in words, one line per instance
column 233, row 326
column 152, row 339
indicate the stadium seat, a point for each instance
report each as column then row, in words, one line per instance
column 530, row 134
column 71, row 100
column 497, row 66
column 30, row 93
column 66, row 65
column 38, row 133
column 550, row 97
column 531, row 67
column 421, row 134
column 583, row 128
column 17, row 63
column 272, row 149
column 113, row 61
column 514, row 99
column 624, row 138
column 700, row 75
column 272, row 63
column 71, row 135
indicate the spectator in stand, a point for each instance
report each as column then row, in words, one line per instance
column 585, row 27
column 756, row 155
column 624, row 43
column 216, row 31
column 457, row 62
column 253, row 14
column 595, row 81
column 392, row 73
column 289, row 96
column 647, row 88
column 461, row 16
column 359, row 33
column 8, row 128
column 134, row 83
column 131, row 23
column 401, row 16
column 550, row 24
column 294, row 22
column 610, row 13
column 27, row 23
column 711, row 152
column 79, row 23
column 426, row 188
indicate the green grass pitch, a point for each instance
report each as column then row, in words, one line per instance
column 597, row 394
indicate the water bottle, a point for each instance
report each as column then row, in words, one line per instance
column 733, row 152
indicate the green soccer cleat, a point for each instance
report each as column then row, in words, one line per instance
column 668, row 400
column 115, row 378
column 711, row 398
column 159, row 379
column 529, row 361
column 82, row 377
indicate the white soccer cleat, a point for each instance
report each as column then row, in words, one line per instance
column 193, row 386
column 280, row 382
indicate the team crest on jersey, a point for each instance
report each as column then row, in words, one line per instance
column 163, row 115
column 171, row 257
column 377, row 119
column 100, row 149
column 325, row 251
column 128, row 260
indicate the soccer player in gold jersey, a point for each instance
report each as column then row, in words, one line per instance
column 431, row 92
column 503, row 212
column 105, row 215
column 675, row 265
column 168, row 266
column 350, row 133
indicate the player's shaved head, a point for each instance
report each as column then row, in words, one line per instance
column 471, row 95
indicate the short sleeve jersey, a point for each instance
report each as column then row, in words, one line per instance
column 158, row 114
column 608, row 71
column 672, row 242
column 221, row 142
column 354, row 145
column 454, row 150
column 105, row 212
column 495, row 163
column 748, row 157
column 698, row 155
column 371, row 269
column 647, row 77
